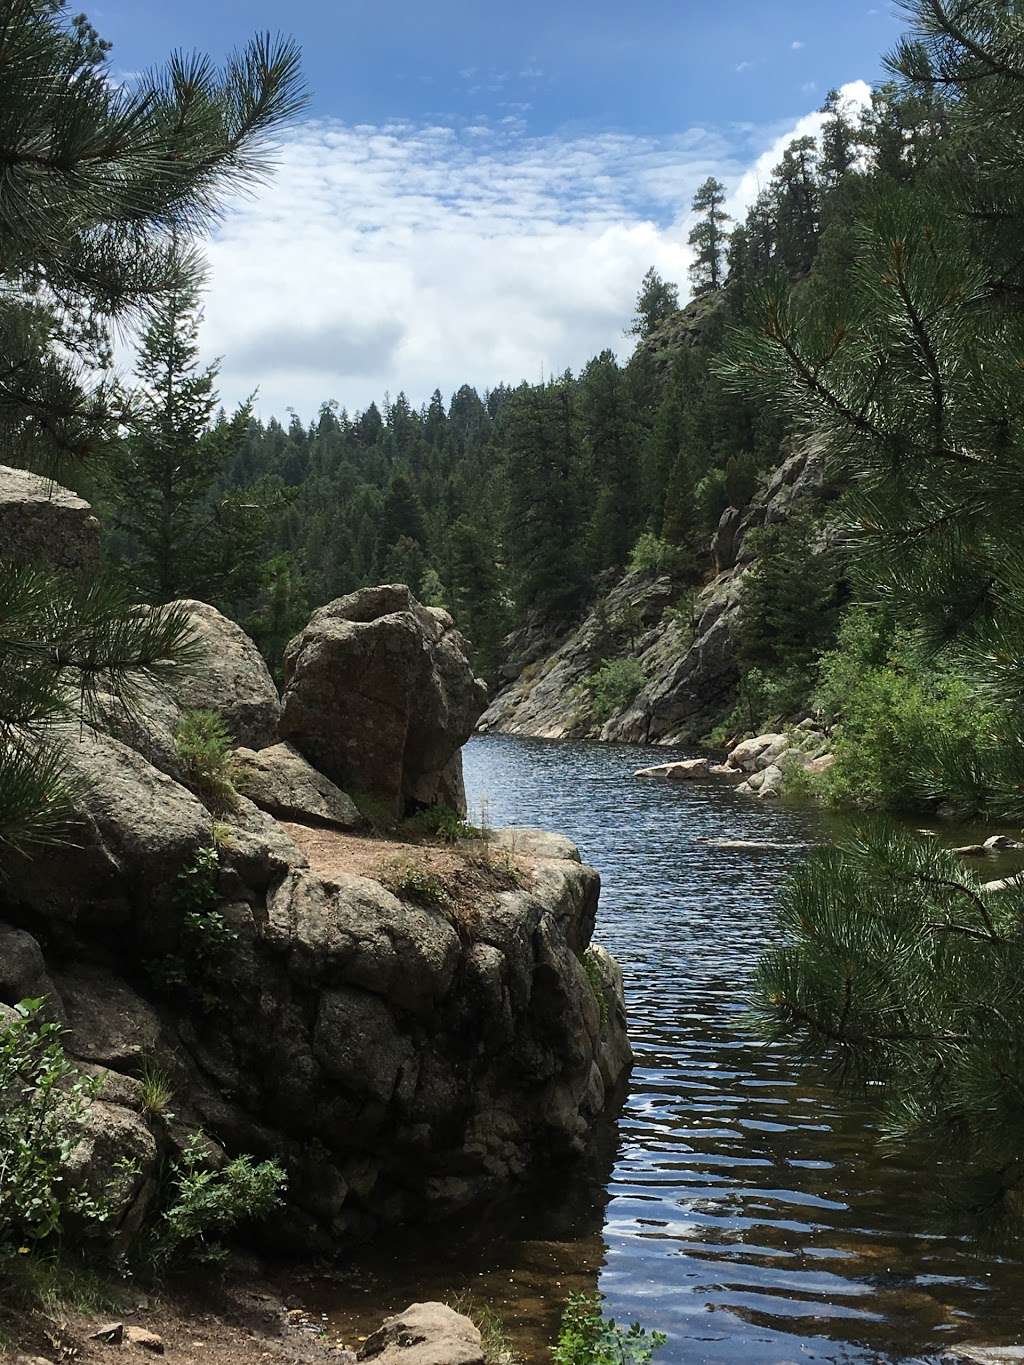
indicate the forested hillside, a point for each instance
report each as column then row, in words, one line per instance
column 520, row 503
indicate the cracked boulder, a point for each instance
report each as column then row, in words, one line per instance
column 380, row 696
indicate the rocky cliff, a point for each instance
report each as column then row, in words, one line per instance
column 404, row 1025
column 688, row 658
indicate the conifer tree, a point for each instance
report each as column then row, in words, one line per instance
column 102, row 180
column 708, row 237
column 656, row 301
column 183, row 539
column 899, row 965
column 610, row 433
column 545, row 514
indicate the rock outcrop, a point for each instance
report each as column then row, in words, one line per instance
column 380, row 697
column 401, row 1042
column 281, row 782
column 688, row 657
column 42, row 523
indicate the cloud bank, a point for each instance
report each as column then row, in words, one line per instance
column 412, row 258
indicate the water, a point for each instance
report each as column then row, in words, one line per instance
column 741, row 1206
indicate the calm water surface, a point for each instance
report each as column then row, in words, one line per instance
column 740, row 1206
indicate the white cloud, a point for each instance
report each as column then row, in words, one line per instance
column 743, row 66
column 414, row 257
column 796, row 44
column 854, row 95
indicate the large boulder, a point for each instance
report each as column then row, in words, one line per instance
column 279, row 780
column 43, row 523
column 134, row 830
column 229, row 676
column 380, row 696
column 425, row 1334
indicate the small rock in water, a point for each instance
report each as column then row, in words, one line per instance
column 690, row 767
column 998, row 842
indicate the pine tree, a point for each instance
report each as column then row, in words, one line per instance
column 102, row 179
column 708, row 237
column 183, row 540
column 898, row 964
column 545, row 516
column 656, row 301
column 611, row 437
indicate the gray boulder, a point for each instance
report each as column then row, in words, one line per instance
column 229, row 677
column 43, row 523
column 23, row 974
column 351, row 929
column 425, row 1334
column 279, row 780
column 108, row 1023
column 380, row 696
column 135, row 829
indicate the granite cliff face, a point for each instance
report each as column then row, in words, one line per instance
column 404, row 1025
column 688, row 660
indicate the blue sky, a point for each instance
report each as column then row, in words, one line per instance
column 476, row 189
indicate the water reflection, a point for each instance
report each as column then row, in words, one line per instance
column 745, row 1210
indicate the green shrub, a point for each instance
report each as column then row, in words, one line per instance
column 157, row 1092
column 902, row 722
column 203, row 744
column 406, row 879
column 588, row 1338
column 596, row 978
column 613, row 686
column 439, row 822
column 203, row 1204
column 205, row 938
column 41, row 1096
column 651, row 554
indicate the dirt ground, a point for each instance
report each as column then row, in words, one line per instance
column 452, row 876
column 234, row 1319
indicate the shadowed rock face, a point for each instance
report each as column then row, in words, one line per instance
column 379, row 695
column 690, row 665
column 40, row 522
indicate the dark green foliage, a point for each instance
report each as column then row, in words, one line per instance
column 587, row 1337
column 180, row 535
column 203, row 744
column 789, row 605
column 613, row 686
column 41, row 1095
column 897, row 714
column 908, row 977
column 104, row 182
column 898, row 966
column 708, row 237
column 203, row 1203
column 546, row 515
column 656, row 302
column 198, row 967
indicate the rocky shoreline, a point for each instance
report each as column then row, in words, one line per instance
column 407, row 1024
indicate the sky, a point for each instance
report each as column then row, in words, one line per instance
column 475, row 190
